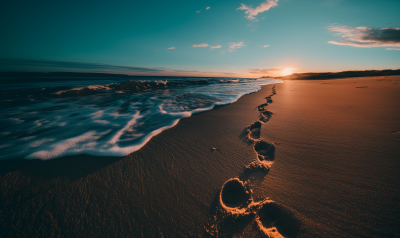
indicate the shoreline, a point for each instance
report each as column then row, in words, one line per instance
column 169, row 186
column 84, row 128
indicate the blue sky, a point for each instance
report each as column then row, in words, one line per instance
column 160, row 37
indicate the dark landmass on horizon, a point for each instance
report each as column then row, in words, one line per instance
column 343, row 74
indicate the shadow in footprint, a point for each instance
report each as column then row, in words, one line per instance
column 265, row 116
column 274, row 218
column 251, row 133
column 222, row 223
column 245, row 136
column 269, row 99
column 254, row 130
column 234, row 194
column 265, row 150
column 261, row 107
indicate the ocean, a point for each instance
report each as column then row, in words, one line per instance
column 50, row 117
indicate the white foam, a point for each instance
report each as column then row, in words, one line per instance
column 41, row 142
column 104, row 122
column 120, row 132
column 75, row 145
column 115, row 125
column 61, row 147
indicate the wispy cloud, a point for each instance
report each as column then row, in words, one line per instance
column 392, row 48
column 265, row 46
column 233, row 46
column 202, row 9
column 366, row 37
column 264, row 71
column 171, row 48
column 272, row 71
column 252, row 12
column 201, row 45
column 206, row 45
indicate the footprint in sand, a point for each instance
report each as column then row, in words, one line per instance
column 265, row 116
column 274, row 220
column 265, row 156
column 265, row 150
column 261, row 107
column 273, row 90
column 269, row 99
column 236, row 210
column 254, row 131
column 235, row 196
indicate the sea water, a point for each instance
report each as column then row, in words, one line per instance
column 50, row 117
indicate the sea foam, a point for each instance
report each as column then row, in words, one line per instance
column 106, row 117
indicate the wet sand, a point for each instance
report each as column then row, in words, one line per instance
column 325, row 152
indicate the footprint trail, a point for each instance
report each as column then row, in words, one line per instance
column 234, row 211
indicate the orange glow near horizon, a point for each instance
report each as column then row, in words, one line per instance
column 287, row 71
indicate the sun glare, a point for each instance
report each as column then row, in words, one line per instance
column 287, row 71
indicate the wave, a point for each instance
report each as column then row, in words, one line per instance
column 133, row 86
column 113, row 119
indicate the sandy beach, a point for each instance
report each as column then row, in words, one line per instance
column 331, row 146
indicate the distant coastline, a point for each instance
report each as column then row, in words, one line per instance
column 334, row 75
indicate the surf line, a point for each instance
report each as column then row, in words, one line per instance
column 234, row 207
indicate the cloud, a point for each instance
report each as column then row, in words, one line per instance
column 366, row 37
column 272, row 71
column 171, row 48
column 233, row 46
column 27, row 64
column 265, row 46
column 207, row 8
column 264, row 71
column 201, row 45
column 392, row 48
column 198, row 11
column 207, row 45
column 216, row 47
column 252, row 12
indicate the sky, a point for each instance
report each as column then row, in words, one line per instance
column 224, row 38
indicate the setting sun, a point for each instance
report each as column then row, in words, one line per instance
column 287, row 71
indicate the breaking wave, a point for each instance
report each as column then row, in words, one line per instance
column 103, row 117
